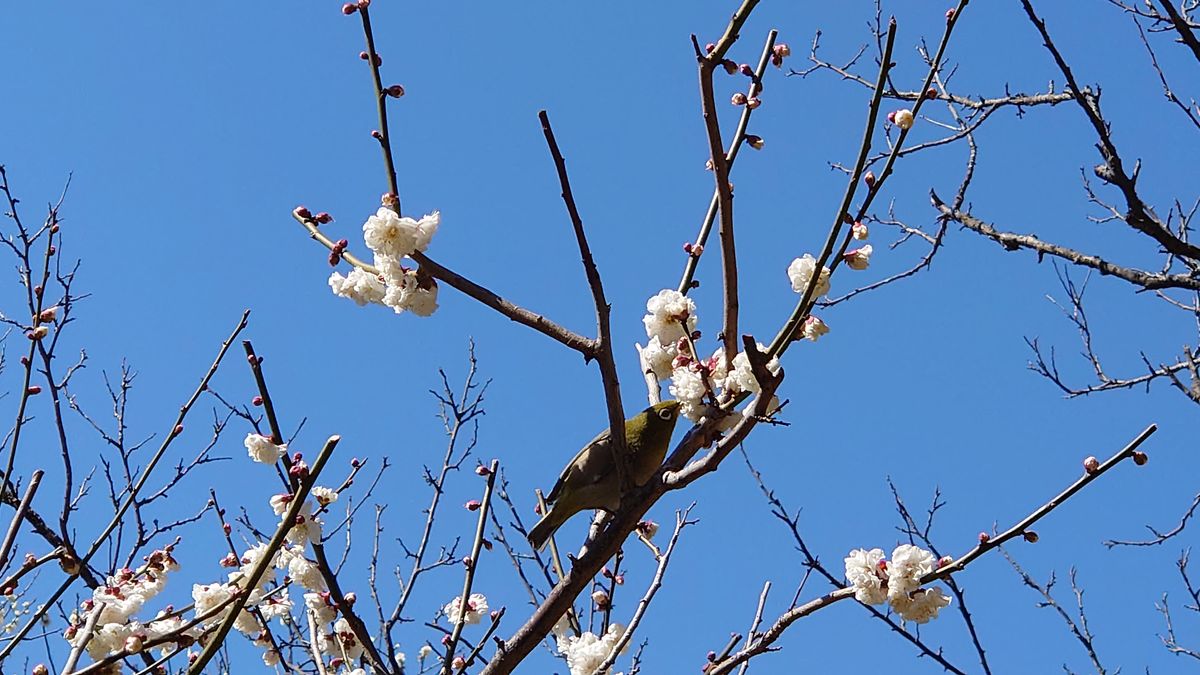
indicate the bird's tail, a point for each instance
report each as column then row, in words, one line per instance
column 544, row 529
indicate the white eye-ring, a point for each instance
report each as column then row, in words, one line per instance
column 664, row 414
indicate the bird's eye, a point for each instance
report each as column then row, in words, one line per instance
column 664, row 414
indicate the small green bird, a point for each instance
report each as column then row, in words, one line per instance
column 590, row 480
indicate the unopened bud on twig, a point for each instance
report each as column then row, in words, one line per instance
column 1091, row 465
column 601, row 599
column 1030, row 536
column 395, row 91
column 779, row 53
column 984, row 537
column 1140, row 458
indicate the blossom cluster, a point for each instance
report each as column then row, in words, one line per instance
column 477, row 608
column 897, row 582
column 392, row 237
column 586, row 652
column 670, row 325
column 112, row 608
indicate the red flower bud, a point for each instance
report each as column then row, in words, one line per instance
column 256, row 401
column 472, row 505
column 395, row 91
column 1140, row 458
column 34, row 390
column 1091, row 465
column 349, row 8
column 984, row 537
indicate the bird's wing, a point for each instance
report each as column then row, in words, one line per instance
column 585, row 463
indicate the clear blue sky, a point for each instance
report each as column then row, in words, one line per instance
column 193, row 129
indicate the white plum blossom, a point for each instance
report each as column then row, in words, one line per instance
column 909, row 563
column 923, row 605
column 409, row 293
column 801, row 271
column 477, row 608
column 246, row 624
column 341, row 640
column 262, row 450
column 306, row 573
column 106, row 639
column 424, row 652
column 897, row 582
column 280, row 503
column 666, row 313
column 904, row 119
column 585, row 653
column 306, row 528
column 207, row 597
column 657, row 357
column 687, row 386
column 859, row 231
column 360, row 286
column 323, row 612
column 863, row 571
column 276, row 608
column 119, row 605
column 324, row 496
column 813, row 328
column 387, row 233
column 859, row 258
column 252, row 555
column 741, row 376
